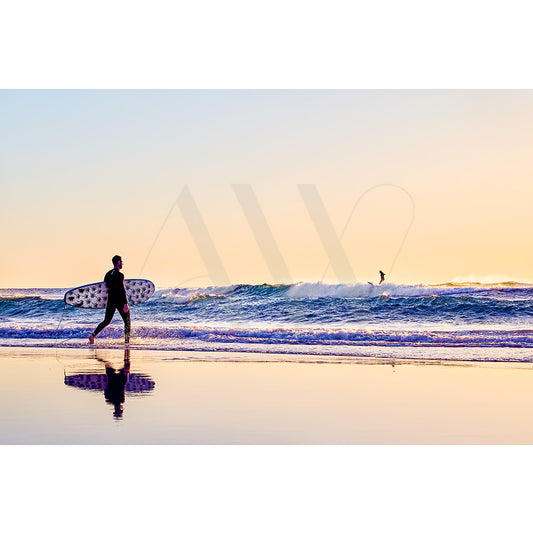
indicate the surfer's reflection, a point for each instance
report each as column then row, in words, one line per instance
column 115, row 392
column 114, row 383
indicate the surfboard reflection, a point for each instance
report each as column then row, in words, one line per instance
column 115, row 383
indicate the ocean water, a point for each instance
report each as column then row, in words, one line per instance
column 473, row 322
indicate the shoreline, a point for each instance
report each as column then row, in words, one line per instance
column 271, row 353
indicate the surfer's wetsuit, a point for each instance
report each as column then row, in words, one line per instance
column 116, row 298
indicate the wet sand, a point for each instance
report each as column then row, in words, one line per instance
column 189, row 398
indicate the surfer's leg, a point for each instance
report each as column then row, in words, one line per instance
column 109, row 312
column 127, row 324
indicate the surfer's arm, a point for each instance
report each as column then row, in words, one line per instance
column 126, row 307
column 125, row 297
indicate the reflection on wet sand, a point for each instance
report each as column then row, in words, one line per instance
column 233, row 400
column 114, row 383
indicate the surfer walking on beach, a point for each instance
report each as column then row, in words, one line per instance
column 382, row 276
column 116, row 300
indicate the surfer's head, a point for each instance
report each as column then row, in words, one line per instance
column 117, row 262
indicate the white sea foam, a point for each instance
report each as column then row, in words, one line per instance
column 366, row 290
column 185, row 295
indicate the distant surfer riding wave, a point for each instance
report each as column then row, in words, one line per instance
column 381, row 278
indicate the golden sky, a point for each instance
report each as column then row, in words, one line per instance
column 89, row 174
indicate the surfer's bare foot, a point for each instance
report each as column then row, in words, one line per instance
column 91, row 340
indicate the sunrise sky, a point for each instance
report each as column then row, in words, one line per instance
column 89, row 174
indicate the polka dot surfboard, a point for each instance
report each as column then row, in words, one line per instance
column 95, row 295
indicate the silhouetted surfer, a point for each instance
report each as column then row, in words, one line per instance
column 116, row 300
column 382, row 275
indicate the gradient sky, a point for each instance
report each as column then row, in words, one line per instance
column 89, row 174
